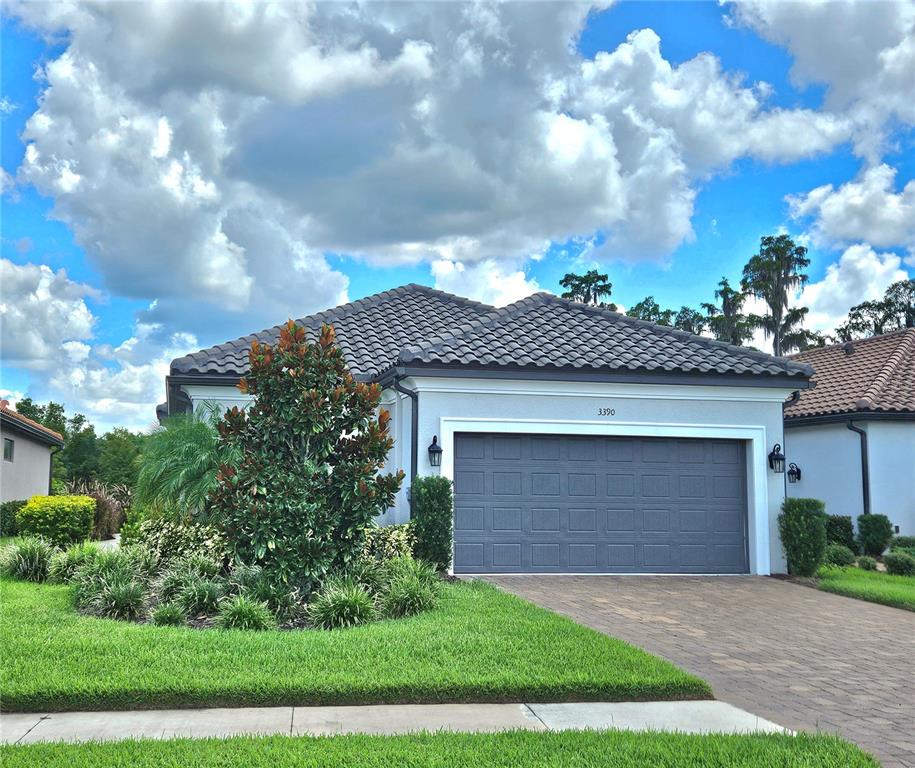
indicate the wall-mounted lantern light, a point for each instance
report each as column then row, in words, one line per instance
column 794, row 473
column 435, row 452
column 777, row 460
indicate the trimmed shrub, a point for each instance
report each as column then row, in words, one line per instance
column 27, row 559
column 170, row 541
column 118, row 597
column 201, row 596
column 64, row 565
column 8, row 511
column 168, row 615
column 839, row 530
column 838, row 554
column 899, row 564
column 241, row 612
column 383, row 542
column 341, row 602
column 60, row 520
column 867, row 563
column 433, row 519
column 898, row 542
column 874, row 534
column 407, row 595
column 802, row 527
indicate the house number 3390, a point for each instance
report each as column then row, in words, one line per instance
column 606, row 412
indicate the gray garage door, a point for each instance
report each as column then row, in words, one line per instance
column 542, row 504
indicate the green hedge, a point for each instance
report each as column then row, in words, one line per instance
column 802, row 526
column 61, row 520
column 875, row 532
column 899, row 564
column 169, row 540
column 433, row 520
column 839, row 530
column 388, row 541
column 8, row 512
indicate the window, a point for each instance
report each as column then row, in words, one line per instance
column 7, row 449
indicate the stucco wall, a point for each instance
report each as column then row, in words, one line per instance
column 27, row 474
column 891, row 448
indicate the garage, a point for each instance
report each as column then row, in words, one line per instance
column 599, row 504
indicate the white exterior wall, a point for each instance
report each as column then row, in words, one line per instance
column 829, row 456
column 891, row 465
column 27, row 474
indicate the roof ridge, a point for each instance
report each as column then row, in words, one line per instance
column 865, row 340
column 869, row 399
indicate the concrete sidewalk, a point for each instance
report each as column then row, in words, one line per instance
column 685, row 716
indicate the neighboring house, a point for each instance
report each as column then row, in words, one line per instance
column 853, row 434
column 28, row 452
column 578, row 439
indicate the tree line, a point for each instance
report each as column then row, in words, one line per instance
column 774, row 275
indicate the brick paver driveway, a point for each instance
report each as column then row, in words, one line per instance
column 801, row 658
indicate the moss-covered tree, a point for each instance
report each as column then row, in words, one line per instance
column 312, row 445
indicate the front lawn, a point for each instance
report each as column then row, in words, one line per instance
column 609, row 749
column 479, row 644
column 874, row 586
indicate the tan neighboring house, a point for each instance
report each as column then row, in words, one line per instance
column 28, row 453
column 852, row 435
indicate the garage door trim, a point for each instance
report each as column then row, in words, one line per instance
column 755, row 437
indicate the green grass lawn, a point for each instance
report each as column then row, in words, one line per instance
column 609, row 749
column 479, row 644
column 876, row 587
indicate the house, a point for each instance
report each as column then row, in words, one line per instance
column 578, row 439
column 853, row 435
column 28, row 454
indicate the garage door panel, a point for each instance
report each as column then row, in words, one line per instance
column 596, row 504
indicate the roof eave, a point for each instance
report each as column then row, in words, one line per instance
column 15, row 425
column 844, row 416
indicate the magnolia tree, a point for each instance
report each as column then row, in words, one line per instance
column 311, row 446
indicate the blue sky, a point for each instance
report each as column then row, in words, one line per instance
column 435, row 183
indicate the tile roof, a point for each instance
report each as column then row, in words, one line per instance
column 370, row 331
column 871, row 375
column 544, row 331
column 31, row 425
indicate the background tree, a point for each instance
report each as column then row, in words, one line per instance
column 648, row 309
column 589, row 288
column 312, row 444
column 690, row 320
column 80, row 455
column 901, row 296
column 119, row 452
column 872, row 318
column 773, row 275
column 727, row 322
column 51, row 415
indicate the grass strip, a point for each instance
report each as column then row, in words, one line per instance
column 873, row 586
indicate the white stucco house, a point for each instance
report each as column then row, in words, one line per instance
column 28, row 453
column 578, row 439
column 853, row 434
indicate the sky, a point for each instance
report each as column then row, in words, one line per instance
column 179, row 174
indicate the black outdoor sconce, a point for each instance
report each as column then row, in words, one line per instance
column 777, row 460
column 435, row 452
column 794, row 473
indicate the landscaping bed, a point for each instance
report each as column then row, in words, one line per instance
column 478, row 644
column 873, row 586
column 610, row 749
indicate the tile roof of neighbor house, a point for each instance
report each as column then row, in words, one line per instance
column 419, row 326
column 870, row 375
column 30, row 425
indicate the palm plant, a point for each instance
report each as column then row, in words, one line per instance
column 179, row 463
column 727, row 322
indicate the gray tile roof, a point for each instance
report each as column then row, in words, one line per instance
column 544, row 331
column 371, row 331
column 419, row 326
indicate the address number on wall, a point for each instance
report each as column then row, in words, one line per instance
column 606, row 411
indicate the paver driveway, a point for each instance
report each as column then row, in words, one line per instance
column 801, row 658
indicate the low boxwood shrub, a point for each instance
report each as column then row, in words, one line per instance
column 170, row 540
column 27, row 559
column 910, row 551
column 903, row 542
column 341, row 602
column 382, row 542
column 874, row 534
column 899, row 564
column 839, row 530
column 433, row 519
column 867, row 563
column 168, row 615
column 8, row 510
column 60, row 520
column 242, row 612
column 406, row 595
column 64, row 564
column 838, row 554
column 802, row 527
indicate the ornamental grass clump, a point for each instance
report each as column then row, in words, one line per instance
column 242, row 612
column 312, row 444
column 200, row 597
column 27, row 559
column 407, row 595
column 342, row 602
column 168, row 615
column 64, row 564
column 117, row 597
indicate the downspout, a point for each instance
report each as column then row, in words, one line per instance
column 53, row 452
column 414, row 432
column 865, row 478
